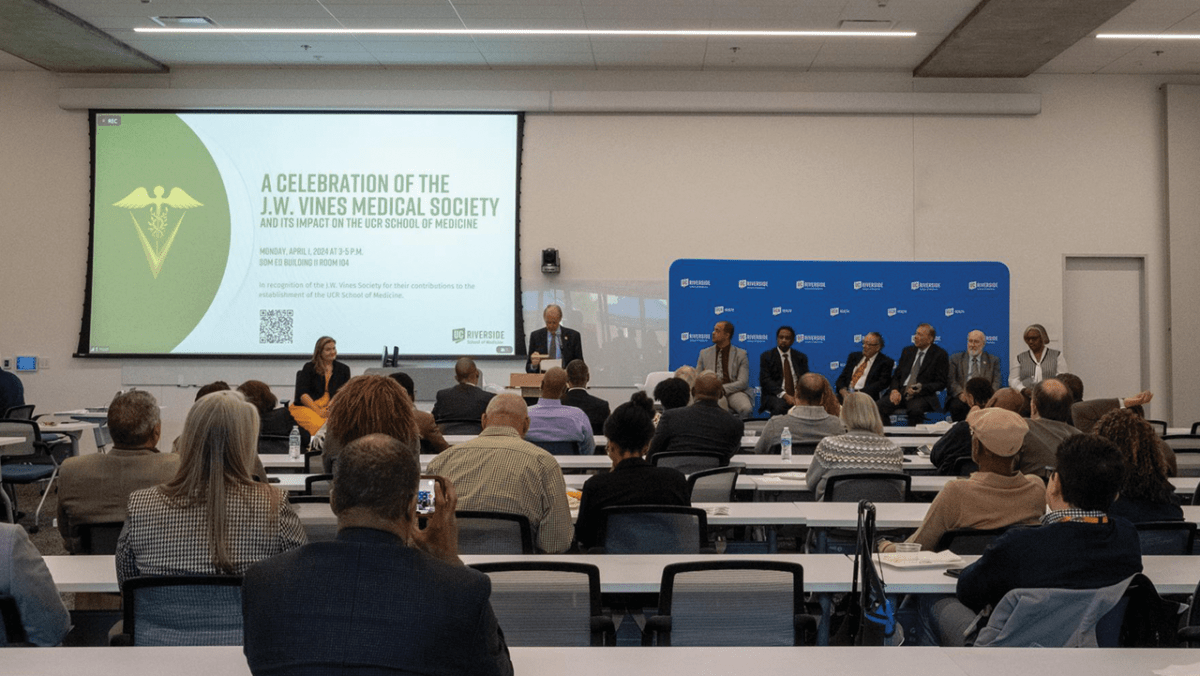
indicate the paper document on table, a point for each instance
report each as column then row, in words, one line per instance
column 785, row 476
column 943, row 559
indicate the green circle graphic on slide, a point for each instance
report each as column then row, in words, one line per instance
column 162, row 232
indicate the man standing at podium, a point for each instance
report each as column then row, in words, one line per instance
column 554, row 341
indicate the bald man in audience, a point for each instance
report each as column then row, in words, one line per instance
column 1049, row 425
column 955, row 444
column 552, row 421
column 808, row 420
column 703, row 426
column 499, row 471
column 95, row 488
column 465, row 401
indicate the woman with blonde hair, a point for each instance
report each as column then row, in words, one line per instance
column 369, row 405
column 316, row 385
column 212, row 518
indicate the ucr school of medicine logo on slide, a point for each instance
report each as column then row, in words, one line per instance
column 157, row 220
column 458, row 335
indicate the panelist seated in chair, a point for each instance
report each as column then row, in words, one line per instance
column 994, row 497
column 919, row 376
column 632, row 481
column 1078, row 546
column 386, row 596
column 95, row 488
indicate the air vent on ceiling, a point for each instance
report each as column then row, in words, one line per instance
column 183, row 21
column 866, row 25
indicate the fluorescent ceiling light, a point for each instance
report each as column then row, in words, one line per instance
column 530, row 31
column 1148, row 36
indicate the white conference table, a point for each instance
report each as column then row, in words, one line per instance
column 72, row 430
column 11, row 441
column 671, row 661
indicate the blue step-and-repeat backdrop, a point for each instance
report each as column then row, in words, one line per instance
column 831, row 304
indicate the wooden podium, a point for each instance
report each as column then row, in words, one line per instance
column 530, row 384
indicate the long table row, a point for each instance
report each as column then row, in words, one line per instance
column 229, row 661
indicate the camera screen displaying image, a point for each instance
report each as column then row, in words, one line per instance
column 425, row 496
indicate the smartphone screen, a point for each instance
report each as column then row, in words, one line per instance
column 425, row 496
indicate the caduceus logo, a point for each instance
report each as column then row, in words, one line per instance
column 157, row 221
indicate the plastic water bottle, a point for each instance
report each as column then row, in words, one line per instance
column 785, row 444
column 294, row 443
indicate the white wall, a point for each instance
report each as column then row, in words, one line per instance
column 622, row 196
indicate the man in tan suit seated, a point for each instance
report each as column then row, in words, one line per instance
column 95, row 488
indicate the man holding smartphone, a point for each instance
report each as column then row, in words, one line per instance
column 386, row 594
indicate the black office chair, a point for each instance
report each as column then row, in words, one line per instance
column 30, row 461
column 970, row 540
column 689, row 461
column 873, row 486
column 24, row 412
column 181, row 610
column 549, row 603
column 482, row 532
column 317, row 485
column 1160, row 427
column 965, row 466
column 557, row 447
column 1183, row 443
column 99, row 538
column 272, row 444
column 653, row 529
column 459, row 426
column 1166, row 538
column 730, row 603
column 714, row 485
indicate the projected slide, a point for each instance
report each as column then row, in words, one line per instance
column 256, row 233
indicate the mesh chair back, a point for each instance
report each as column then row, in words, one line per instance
column 99, row 538
column 689, row 461
column 1166, row 538
column 873, row 486
column 557, row 447
column 183, row 610
column 1196, row 428
column 731, row 603
column 272, row 443
column 460, row 426
column 714, row 485
column 1160, row 426
column 24, row 412
column 969, row 540
column 547, row 603
column 1183, row 443
column 654, row 529
column 493, row 533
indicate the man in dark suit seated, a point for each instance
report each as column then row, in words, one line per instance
column 597, row 409
column 921, row 374
column 385, row 595
column 779, row 370
column 553, row 341
column 464, row 401
column 973, row 363
column 871, row 377
column 703, row 426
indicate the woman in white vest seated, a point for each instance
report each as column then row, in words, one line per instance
column 1038, row 363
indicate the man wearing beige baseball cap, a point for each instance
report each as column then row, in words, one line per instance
column 994, row 497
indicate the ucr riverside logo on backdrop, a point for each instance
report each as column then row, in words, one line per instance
column 752, row 284
column 695, row 337
column 835, row 366
column 722, row 309
column 893, row 311
column 926, row 286
column 810, row 339
column 695, row 283
column 950, row 312
column 753, row 337
column 802, row 285
column 983, row 286
column 868, row 286
column 777, row 310
column 835, row 311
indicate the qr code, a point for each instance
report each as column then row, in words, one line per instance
column 275, row 326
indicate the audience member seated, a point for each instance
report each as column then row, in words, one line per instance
column 1078, row 545
column 95, row 488
column 1075, row 384
column 1049, row 424
column 671, row 393
column 863, row 448
column 1085, row 414
column 464, row 401
column 12, row 391
column 317, row 384
column 994, row 497
column 212, row 518
column 632, row 481
column 551, row 421
column 369, row 405
column 703, row 426
column 1146, row 494
column 687, row 374
column 385, row 596
column 955, row 444
column 921, row 373
column 432, row 440
column 499, row 471
column 274, row 421
column 24, row 576
column 577, row 395
column 1038, row 363
column 809, row 420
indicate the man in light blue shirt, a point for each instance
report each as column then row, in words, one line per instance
column 550, row 420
